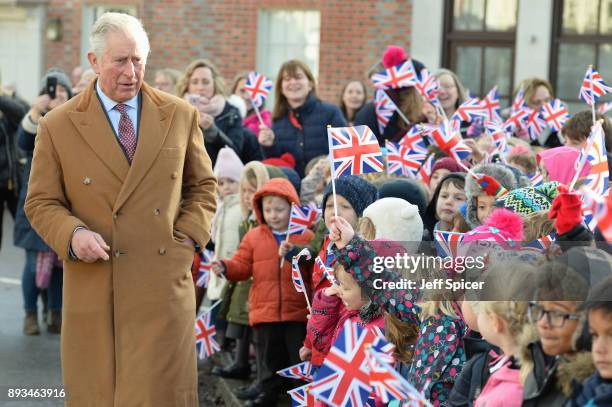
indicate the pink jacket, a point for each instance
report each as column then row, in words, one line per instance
column 503, row 389
column 251, row 122
column 327, row 317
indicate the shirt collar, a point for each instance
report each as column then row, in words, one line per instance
column 109, row 104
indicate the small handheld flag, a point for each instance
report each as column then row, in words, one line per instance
column 296, row 274
column 206, row 344
column 204, row 268
column 302, row 217
column 258, row 87
column 555, row 114
column 301, row 371
column 491, row 105
column 354, row 151
column 401, row 160
column 593, row 87
column 399, row 76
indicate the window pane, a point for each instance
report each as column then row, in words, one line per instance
column 604, row 66
column 468, row 67
column 501, row 15
column 574, row 60
column 498, row 70
column 580, row 16
column 606, row 17
column 468, row 15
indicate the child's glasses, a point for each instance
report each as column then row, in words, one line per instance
column 556, row 319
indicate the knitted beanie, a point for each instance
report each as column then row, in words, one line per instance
column 446, row 163
column 472, row 189
column 527, row 200
column 285, row 160
column 406, row 189
column 62, row 79
column 357, row 191
column 502, row 227
column 560, row 163
column 395, row 219
column 228, row 165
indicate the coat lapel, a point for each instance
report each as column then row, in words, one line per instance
column 154, row 124
column 90, row 120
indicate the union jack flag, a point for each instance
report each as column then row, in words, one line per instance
column 555, row 113
column 517, row 119
column 301, row 371
column 448, row 244
column 519, row 101
column 204, row 268
column 384, row 108
column 605, row 223
column 500, row 140
column 354, row 150
column 428, row 86
column 343, row 379
column 403, row 161
column 469, row 110
column 327, row 271
column 536, row 179
column 258, row 87
column 605, row 107
column 535, row 124
column 449, row 140
column 542, row 243
column 206, row 344
column 302, row 217
column 598, row 179
column 593, row 87
column 302, row 396
column 388, row 384
column 296, row 274
column 426, row 169
column 398, row 76
column 492, row 106
column 414, row 140
column 594, row 207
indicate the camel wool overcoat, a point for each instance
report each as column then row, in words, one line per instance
column 128, row 334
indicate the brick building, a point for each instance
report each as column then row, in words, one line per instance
column 487, row 42
column 339, row 39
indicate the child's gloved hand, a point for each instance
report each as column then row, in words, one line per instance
column 341, row 232
column 305, row 354
column 491, row 186
column 284, row 248
column 566, row 209
column 217, row 267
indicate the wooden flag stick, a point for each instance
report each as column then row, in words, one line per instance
column 333, row 172
column 592, row 97
column 209, row 309
column 257, row 112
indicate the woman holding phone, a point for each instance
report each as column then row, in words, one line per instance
column 202, row 86
column 43, row 270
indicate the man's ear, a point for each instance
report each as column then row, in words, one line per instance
column 93, row 61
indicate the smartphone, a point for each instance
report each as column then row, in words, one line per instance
column 51, row 86
column 194, row 99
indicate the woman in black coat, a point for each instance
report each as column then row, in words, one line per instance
column 299, row 119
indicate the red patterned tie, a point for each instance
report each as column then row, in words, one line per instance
column 127, row 138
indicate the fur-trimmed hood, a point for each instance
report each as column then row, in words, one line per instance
column 472, row 190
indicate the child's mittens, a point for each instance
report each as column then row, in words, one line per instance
column 566, row 209
column 491, row 186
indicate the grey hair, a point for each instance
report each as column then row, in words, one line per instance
column 117, row 22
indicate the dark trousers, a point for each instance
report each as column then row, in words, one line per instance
column 277, row 345
column 11, row 199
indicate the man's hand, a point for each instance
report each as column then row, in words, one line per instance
column 284, row 248
column 341, row 232
column 305, row 353
column 89, row 246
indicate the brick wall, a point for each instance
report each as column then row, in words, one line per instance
column 354, row 33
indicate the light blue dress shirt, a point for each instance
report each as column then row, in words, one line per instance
column 114, row 115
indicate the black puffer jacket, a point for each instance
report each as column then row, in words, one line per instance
column 12, row 111
column 227, row 130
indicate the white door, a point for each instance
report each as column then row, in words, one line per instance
column 20, row 49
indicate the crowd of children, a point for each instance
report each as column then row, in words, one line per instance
column 539, row 335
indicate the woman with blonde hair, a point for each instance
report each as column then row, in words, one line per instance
column 299, row 117
column 202, row 86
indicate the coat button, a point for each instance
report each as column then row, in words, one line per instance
column 87, row 181
column 162, row 251
column 117, row 253
column 174, row 175
column 156, row 212
column 115, row 216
